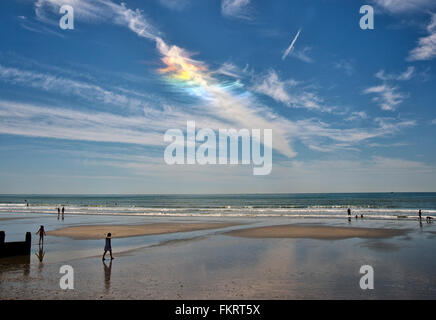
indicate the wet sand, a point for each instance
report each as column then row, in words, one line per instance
column 14, row 218
column 124, row 231
column 305, row 260
column 316, row 232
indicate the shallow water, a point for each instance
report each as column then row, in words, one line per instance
column 334, row 205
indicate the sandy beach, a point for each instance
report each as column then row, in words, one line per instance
column 316, row 232
column 123, row 231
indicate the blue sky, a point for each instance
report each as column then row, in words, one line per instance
column 85, row 110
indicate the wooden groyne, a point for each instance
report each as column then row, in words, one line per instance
column 17, row 248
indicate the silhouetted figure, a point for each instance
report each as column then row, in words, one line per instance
column 59, row 212
column 107, row 274
column 63, row 211
column 429, row 219
column 41, row 233
column 349, row 211
column 356, row 216
column 108, row 246
column 419, row 214
column 361, row 216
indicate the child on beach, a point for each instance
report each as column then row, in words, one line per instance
column 41, row 233
column 108, row 246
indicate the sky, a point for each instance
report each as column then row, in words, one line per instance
column 85, row 110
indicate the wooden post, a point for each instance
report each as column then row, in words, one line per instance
column 2, row 244
column 28, row 244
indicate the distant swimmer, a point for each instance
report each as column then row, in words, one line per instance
column 41, row 233
column 361, row 216
column 108, row 246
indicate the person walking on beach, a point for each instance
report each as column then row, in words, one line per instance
column 63, row 210
column 349, row 212
column 59, row 212
column 41, row 233
column 108, row 246
column 419, row 214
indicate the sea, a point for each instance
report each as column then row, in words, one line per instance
column 403, row 205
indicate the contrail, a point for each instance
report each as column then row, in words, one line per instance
column 291, row 46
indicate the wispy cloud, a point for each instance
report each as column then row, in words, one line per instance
column 62, row 85
column 373, row 175
column 302, row 54
column 313, row 130
column 92, row 10
column 175, row 4
column 239, row 9
column 29, row 25
column 291, row 46
column 426, row 49
column 345, row 65
column 357, row 115
column 404, row 6
column 61, row 123
column 272, row 86
column 98, row 11
column 285, row 91
column 386, row 96
column 230, row 70
column 387, row 145
column 406, row 75
column 135, row 20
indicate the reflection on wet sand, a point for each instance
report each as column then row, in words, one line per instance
column 107, row 275
column 40, row 255
column 13, row 264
